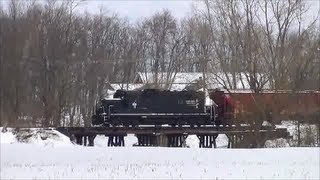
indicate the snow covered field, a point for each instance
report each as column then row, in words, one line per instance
column 24, row 161
column 55, row 157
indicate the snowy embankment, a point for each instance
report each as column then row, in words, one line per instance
column 50, row 155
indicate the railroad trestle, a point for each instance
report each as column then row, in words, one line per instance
column 239, row 137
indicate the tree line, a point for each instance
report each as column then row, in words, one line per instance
column 55, row 63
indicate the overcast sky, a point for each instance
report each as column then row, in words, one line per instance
column 137, row 9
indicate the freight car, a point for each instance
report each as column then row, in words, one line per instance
column 244, row 106
column 154, row 107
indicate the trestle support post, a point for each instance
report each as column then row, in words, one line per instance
column 147, row 140
column 207, row 141
column 115, row 140
column 177, row 140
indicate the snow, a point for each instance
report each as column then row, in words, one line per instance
column 35, row 136
column 309, row 133
column 7, row 138
column 27, row 161
column 102, row 141
column 48, row 154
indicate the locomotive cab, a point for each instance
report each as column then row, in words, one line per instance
column 103, row 110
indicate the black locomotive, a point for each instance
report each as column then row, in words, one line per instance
column 154, row 107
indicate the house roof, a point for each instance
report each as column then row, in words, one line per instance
column 176, row 78
column 213, row 80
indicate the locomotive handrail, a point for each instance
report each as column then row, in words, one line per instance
column 211, row 107
column 104, row 112
column 109, row 111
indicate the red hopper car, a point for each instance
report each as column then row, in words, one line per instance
column 240, row 106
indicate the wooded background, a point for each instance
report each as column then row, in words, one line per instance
column 55, row 62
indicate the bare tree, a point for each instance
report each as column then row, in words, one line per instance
column 56, row 63
column 164, row 48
